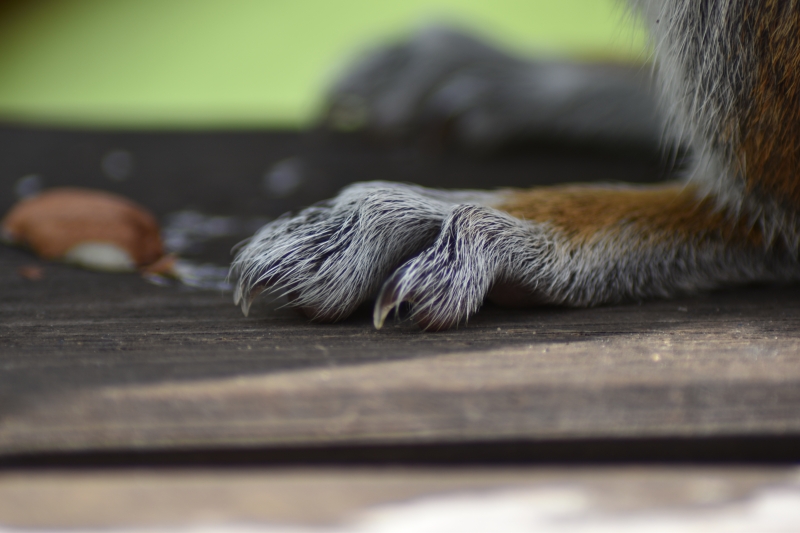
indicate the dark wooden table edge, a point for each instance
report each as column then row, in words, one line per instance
column 729, row 449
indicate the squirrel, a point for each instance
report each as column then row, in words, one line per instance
column 728, row 81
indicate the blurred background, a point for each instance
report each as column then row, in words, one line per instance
column 233, row 64
column 202, row 108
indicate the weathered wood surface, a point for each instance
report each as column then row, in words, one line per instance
column 92, row 361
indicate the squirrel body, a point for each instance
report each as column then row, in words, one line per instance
column 728, row 73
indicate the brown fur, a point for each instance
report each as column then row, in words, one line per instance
column 770, row 129
column 664, row 212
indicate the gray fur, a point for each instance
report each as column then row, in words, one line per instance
column 333, row 256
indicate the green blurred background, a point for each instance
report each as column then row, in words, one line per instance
column 177, row 64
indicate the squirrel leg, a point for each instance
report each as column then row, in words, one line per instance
column 581, row 246
column 444, row 253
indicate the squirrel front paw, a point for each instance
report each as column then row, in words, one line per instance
column 439, row 252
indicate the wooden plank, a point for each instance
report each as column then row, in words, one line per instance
column 95, row 361
column 145, row 499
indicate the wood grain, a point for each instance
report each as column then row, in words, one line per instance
column 93, row 361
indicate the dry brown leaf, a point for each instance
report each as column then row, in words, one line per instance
column 75, row 223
